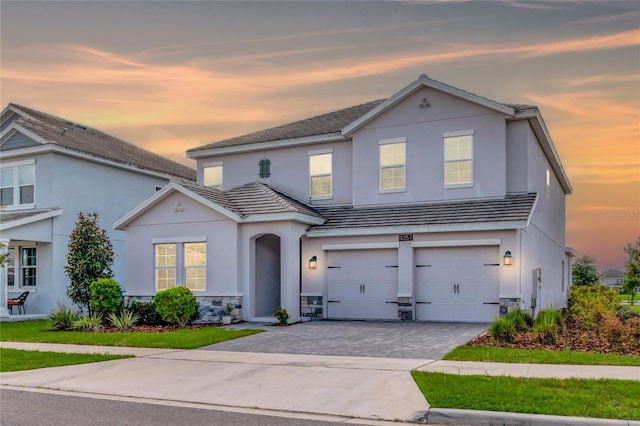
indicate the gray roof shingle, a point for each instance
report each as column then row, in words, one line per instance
column 251, row 199
column 512, row 208
column 87, row 140
column 325, row 124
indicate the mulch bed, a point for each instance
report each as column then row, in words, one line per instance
column 161, row 328
column 573, row 338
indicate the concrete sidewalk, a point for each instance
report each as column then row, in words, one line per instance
column 345, row 387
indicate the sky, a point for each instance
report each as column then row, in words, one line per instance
column 174, row 75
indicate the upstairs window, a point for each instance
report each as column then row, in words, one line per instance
column 458, row 159
column 212, row 175
column 392, row 164
column 320, row 167
column 548, row 190
column 17, row 184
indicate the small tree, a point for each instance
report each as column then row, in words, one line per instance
column 584, row 272
column 631, row 284
column 89, row 257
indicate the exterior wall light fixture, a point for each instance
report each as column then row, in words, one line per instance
column 507, row 257
column 313, row 263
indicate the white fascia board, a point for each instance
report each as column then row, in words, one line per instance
column 31, row 219
column 260, row 146
column 570, row 251
column 542, row 133
column 458, row 243
column 275, row 217
column 17, row 111
column 421, row 229
column 121, row 223
column 360, row 246
column 419, row 84
column 13, row 127
column 533, row 209
column 311, row 294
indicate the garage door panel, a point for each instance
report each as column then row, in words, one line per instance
column 456, row 282
column 361, row 282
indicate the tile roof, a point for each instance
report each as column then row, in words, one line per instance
column 325, row 124
column 13, row 216
column 90, row 141
column 512, row 208
column 251, row 199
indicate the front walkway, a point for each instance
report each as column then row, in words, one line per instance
column 379, row 339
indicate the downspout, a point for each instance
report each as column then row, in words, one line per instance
column 300, row 279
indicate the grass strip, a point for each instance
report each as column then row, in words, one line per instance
column 602, row 398
column 18, row 360
column 40, row 331
column 538, row 356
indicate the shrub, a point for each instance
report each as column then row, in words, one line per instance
column 522, row 321
column 146, row 312
column 106, row 296
column 125, row 321
column 281, row 314
column 503, row 329
column 547, row 325
column 625, row 313
column 63, row 318
column 91, row 323
column 586, row 304
column 176, row 305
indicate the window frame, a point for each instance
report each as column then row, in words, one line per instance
column 180, row 266
column 11, row 268
column 548, row 185
column 157, row 268
column 26, row 267
column 187, row 267
column 214, row 165
column 16, row 187
column 315, row 154
column 381, row 167
column 451, row 135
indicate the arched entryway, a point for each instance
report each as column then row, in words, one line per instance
column 267, row 275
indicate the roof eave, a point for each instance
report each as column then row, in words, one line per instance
column 285, row 216
column 420, row 229
column 421, row 82
column 196, row 153
column 31, row 219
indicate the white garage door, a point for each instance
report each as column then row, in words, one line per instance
column 362, row 284
column 457, row 284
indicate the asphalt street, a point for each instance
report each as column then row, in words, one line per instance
column 22, row 408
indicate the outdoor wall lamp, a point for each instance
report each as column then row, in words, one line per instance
column 313, row 262
column 507, row 257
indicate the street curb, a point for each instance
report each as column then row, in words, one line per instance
column 449, row 416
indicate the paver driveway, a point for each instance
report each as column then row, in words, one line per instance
column 417, row 340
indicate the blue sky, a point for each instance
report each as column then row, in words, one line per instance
column 173, row 75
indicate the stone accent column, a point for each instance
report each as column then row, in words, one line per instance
column 311, row 306
column 405, row 308
column 507, row 304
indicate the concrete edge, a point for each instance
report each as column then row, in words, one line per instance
column 445, row 416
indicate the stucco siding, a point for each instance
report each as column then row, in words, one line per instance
column 423, row 129
column 518, row 133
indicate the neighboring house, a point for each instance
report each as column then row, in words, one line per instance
column 435, row 204
column 613, row 279
column 52, row 169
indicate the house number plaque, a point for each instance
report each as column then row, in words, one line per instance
column 405, row 237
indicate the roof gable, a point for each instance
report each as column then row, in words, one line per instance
column 86, row 140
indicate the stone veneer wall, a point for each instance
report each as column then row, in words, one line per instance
column 211, row 308
column 405, row 309
column 311, row 307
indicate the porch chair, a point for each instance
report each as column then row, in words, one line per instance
column 19, row 302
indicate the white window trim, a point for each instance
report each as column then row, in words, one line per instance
column 19, row 267
column 548, row 185
column 213, row 164
column 444, row 159
column 181, row 274
column 392, row 141
column 16, row 185
column 185, row 267
column 321, row 152
column 156, row 267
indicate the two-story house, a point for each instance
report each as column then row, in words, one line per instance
column 51, row 169
column 434, row 204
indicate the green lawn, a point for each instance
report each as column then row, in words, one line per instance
column 635, row 307
column 537, row 356
column 17, row 360
column 611, row 399
column 40, row 331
